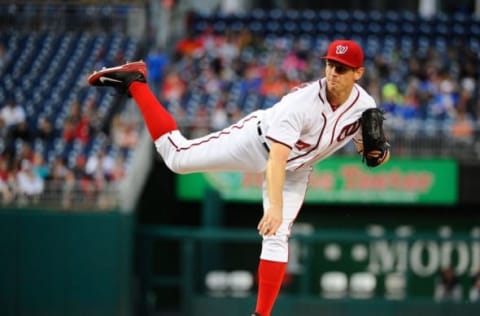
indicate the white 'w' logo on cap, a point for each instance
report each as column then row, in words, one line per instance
column 341, row 49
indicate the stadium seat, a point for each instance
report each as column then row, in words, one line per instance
column 308, row 15
column 240, row 283
column 40, row 58
column 359, row 16
column 334, row 285
column 395, row 286
column 237, row 283
column 362, row 285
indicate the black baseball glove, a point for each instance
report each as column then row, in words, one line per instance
column 376, row 149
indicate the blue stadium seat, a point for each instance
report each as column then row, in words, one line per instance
column 42, row 58
column 308, row 16
column 325, row 28
column 359, row 16
column 325, row 16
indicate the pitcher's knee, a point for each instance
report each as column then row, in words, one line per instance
column 176, row 168
column 275, row 248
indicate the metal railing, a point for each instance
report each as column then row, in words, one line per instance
column 64, row 195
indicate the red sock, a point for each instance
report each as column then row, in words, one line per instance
column 270, row 277
column 159, row 121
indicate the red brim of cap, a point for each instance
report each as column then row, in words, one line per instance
column 341, row 61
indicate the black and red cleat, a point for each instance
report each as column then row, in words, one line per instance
column 119, row 77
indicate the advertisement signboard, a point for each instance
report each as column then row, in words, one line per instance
column 343, row 180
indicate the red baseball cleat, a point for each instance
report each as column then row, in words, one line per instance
column 119, row 77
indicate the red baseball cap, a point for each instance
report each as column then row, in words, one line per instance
column 346, row 52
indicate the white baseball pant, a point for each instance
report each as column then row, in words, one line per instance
column 239, row 147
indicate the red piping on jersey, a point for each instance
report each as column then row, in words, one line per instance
column 215, row 136
column 277, row 141
column 320, row 136
column 316, row 145
column 345, row 111
column 325, row 124
column 319, row 95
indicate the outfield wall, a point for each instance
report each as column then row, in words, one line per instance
column 65, row 263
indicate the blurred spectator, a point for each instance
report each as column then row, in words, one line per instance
column 463, row 128
column 173, row 87
column 466, row 98
column 3, row 129
column 474, row 294
column 448, row 287
column 30, row 185
column 443, row 103
column 210, row 41
column 6, row 190
column 244, row 39
column 77, row 181
column 58, row 172
column 22, row 132
column 79, row 168
column 100, row 59
column 12, row 114
column 118, row 171
column 68, row 131
column 39, row 166
column 4, row 169
column 200, row 124
column 411, row 99
column 123, row 133
column 4, row 57
column 77, row 124
column 99, row 167
column 391, row 99
column 251, row 79
column 92, row 120
column 228, row 50
column 275, row 83
column 188, row 46
column 219, row 116
column 156, row 64
column 44, row 129
column 5, row 193
column 294, row 62
column 68, row 189
column 234, row 113
column 61, row 182
column 25, row 152
column 211, row 82
column 119, row 58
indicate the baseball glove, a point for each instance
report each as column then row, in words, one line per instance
column 376, row 149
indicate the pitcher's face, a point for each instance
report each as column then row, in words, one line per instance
column 341, row 77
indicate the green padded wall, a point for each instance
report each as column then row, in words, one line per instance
column 65, row 263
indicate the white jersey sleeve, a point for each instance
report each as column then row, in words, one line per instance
column 290, row 116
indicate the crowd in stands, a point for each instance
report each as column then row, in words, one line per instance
column 62, row 143
column 212, row 78
column 28, row 175
column 215, row 77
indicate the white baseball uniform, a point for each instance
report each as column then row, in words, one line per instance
column 302, row 120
